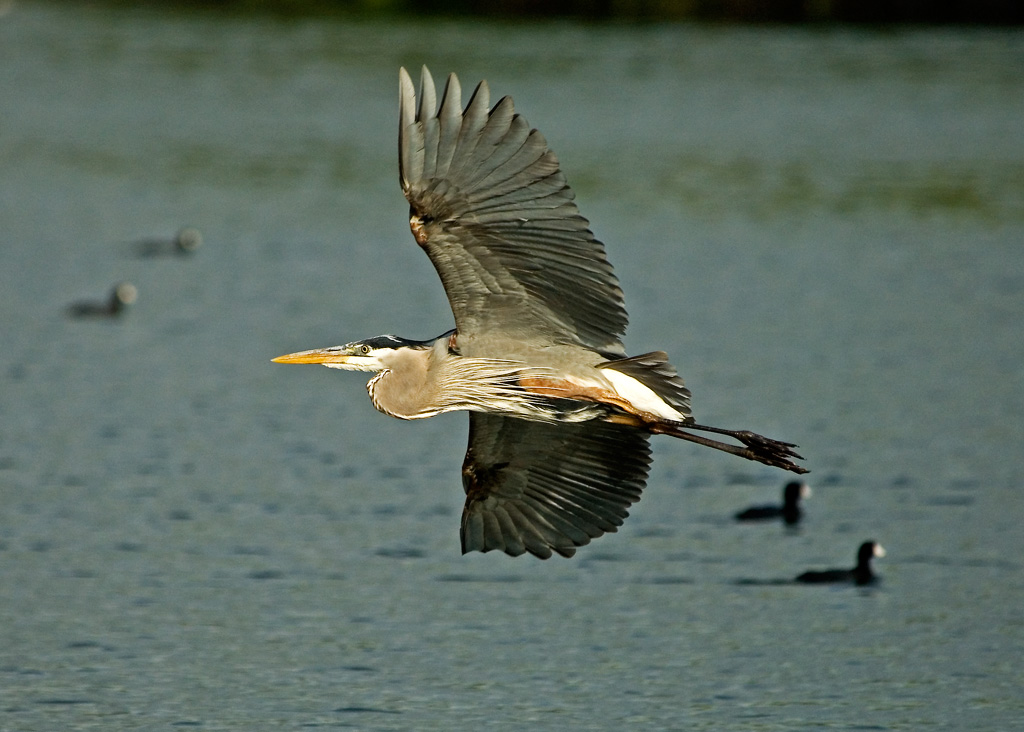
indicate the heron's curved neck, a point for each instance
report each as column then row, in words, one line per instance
column 407, row 387
column 418, row 383
column 399, row 393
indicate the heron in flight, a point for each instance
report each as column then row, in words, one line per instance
column 559, row 415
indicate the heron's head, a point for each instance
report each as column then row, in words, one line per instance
column 373, row 354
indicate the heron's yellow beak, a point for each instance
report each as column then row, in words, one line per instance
column 350, row 357
column 317, row 355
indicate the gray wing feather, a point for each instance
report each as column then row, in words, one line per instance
column 425, row 111
column 500, row 224
column 473, row 121
column 538, row 487
column 449, row 118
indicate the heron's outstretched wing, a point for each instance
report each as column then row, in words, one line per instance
column 537, row 487
column 492, row 209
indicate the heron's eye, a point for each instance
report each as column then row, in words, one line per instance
column 364, row 350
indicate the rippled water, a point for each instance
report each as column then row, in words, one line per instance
column 822, row 227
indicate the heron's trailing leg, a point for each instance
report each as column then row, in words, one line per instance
column 758, row 447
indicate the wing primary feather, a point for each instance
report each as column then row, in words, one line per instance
column 510, row 533
column 473, row 121
column 472, row 532
column 450, row 119
column 504, row 135
column 408, row 167
column 497, row 139
column 532, row 527
column 493, row 538
column 428, row 96
column 428, row 123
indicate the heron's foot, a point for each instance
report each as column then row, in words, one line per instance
column 770, row 452
column 755, row 447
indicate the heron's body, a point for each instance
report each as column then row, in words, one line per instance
column 424, row 378
column 559, row 414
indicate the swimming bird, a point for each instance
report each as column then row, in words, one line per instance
column 121, row 296
column 185, row 242
column 560, row 415
column 859, row 575
column 789, row 511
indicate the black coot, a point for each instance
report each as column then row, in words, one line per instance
column 859, row 575
column 185, row 242
column 789, row 511
column 123, row 295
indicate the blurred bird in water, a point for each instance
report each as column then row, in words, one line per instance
column 859, row 575
column 185, row 242
column 123, row 295
column 560, row 416
column 789, row 511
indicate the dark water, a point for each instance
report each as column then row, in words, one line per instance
column 823, row 228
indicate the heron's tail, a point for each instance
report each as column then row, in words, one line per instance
column 654, row 371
